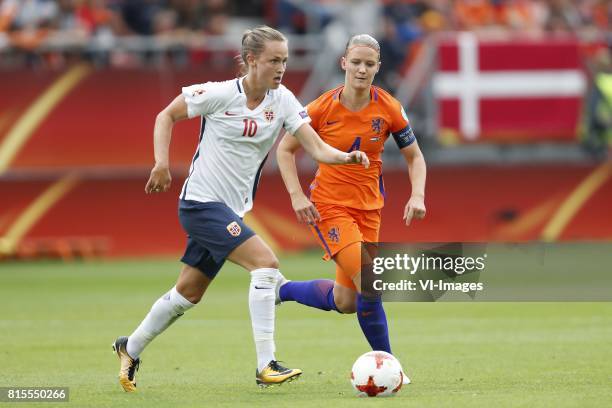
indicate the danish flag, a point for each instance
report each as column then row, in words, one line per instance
column 515, row 89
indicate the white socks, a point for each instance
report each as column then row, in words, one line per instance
column 262, row 295
column 168, row 308
column 164, row 312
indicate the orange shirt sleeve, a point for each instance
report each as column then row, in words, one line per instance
column 314, row 111
column 399, row 119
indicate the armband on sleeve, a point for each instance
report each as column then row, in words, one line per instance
column 404, row 137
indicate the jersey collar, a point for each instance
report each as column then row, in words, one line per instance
column 240, row 86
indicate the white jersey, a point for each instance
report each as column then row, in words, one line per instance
column 235, row 140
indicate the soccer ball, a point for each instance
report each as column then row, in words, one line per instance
column 377, row 374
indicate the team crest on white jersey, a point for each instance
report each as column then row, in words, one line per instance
column 234, row 229
column 269, row 114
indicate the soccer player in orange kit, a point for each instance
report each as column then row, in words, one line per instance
column 345, row 203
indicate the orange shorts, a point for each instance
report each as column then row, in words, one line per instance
column 339, row 228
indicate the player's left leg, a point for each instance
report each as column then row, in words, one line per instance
column 370, row 312
column 355, row 259
column 256, row 256
column 225, row 236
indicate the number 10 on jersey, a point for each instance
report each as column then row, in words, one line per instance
column 250, row 127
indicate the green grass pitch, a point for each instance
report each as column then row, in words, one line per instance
column 57, row 322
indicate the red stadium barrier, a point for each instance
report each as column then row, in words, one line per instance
column 509, row 90
column 106, row 119
column 115, row 217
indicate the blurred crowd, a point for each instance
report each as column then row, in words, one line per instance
column 28, row 22
column 414, row 18
column 50, row 31
column 34, row 25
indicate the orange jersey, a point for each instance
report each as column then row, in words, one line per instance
column 367, row 130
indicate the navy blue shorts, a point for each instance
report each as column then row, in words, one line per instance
column 213, row 231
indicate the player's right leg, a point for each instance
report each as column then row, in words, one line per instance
column 199, row 270
column 336, row 230
column 188, row 291
column 345, row 293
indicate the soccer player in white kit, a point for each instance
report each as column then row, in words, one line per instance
column 241, row 119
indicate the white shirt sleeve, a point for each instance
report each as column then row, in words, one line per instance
column 295, row 115
column 202, row 99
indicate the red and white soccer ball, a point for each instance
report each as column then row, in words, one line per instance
column 377, row 374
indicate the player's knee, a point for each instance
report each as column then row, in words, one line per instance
column 190, row 291
column 254, row 254
column 195, row 298
column 345, row 305
column 192, row 294
column 272, row 263
column 266, row 260
column 192, row 284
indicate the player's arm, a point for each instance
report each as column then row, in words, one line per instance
column 324, row 153
column 305, row 211
column 160, row 179
column 415, row 208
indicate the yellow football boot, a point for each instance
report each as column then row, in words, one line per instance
column 129, row 366
column 275, row 374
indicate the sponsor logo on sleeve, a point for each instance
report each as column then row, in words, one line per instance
column 303, row 114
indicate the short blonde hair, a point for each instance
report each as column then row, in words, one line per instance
column 254, row 41
column 365, row 40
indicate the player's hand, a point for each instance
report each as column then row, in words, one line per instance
column 305, row 211
column 357, row 156
column 415, row 208
column 159, row 180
